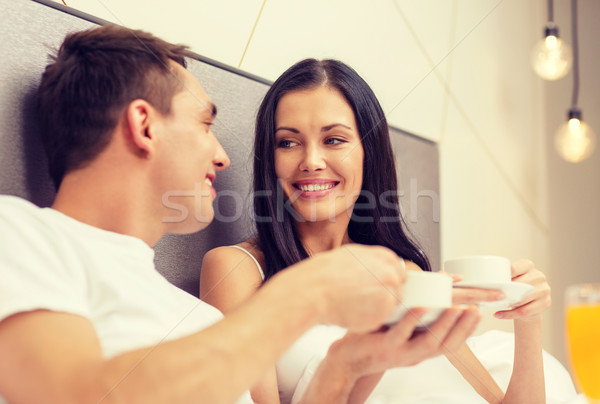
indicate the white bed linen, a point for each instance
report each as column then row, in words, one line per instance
column 436, row 381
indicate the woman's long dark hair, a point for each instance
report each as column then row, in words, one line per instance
column 376, row 219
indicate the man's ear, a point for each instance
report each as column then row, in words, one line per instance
column 140, row 115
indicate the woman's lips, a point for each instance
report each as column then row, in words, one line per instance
column 315, row 188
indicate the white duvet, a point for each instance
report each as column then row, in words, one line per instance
column 437, row 381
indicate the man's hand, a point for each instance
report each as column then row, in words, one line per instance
column 400, row 345
column 356, row 287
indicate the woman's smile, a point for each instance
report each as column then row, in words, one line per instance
column 315, row 188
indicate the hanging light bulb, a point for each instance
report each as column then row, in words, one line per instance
column 575, row 140
column 551, row 57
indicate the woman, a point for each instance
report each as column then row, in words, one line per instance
column 324, row 176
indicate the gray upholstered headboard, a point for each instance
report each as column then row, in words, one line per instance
column 30, row 30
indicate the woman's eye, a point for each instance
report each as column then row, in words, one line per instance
column 286, row 144
column 333, row 141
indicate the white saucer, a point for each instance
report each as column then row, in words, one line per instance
column 514, row 291
column 432, row 314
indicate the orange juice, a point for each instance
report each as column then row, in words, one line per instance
column 583, row 341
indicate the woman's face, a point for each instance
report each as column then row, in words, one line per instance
column 318, row 153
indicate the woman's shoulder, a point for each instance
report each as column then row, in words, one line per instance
column 249, row 246
column 224, row 257
column 411, row 266
column 252, row 246
column 229, row 275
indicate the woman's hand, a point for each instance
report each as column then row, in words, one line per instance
column 472, row 295
column 534, row 304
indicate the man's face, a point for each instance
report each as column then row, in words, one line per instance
column 188, row 156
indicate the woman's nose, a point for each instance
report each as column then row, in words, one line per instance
column 313, row 159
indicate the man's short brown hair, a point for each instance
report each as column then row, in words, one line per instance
column 92, row 79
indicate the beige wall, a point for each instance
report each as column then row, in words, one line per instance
column 453, row 71
column 574, row 189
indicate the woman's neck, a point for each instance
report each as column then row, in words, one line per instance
column 317, row 237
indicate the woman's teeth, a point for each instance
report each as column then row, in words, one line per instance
column 315, row 187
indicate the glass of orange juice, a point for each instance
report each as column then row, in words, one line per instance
column 582, row 304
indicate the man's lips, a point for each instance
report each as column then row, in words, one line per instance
column 210, row 179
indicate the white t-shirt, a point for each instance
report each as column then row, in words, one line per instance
column 51, row 261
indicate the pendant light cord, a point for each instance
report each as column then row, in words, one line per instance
column 575, row 46
column 550, row 10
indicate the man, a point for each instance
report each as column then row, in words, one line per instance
column 84, row 316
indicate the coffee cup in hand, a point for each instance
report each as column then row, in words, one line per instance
column 488, row 269
column 424, row 289
column 488, row 272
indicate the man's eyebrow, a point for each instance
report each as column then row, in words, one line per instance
column 213, row 109
column 210, row 108
column 333, row 125
column 287, row 128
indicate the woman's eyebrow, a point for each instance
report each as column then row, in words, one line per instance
column 334, row 125
column 294, row 130
column 323, row 129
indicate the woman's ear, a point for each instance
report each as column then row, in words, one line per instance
column 140, row 115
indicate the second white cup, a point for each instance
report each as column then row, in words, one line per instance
column 483, row 269
column 424, row 289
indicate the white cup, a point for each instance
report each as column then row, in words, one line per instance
column 424, row 289
column 483, row 269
